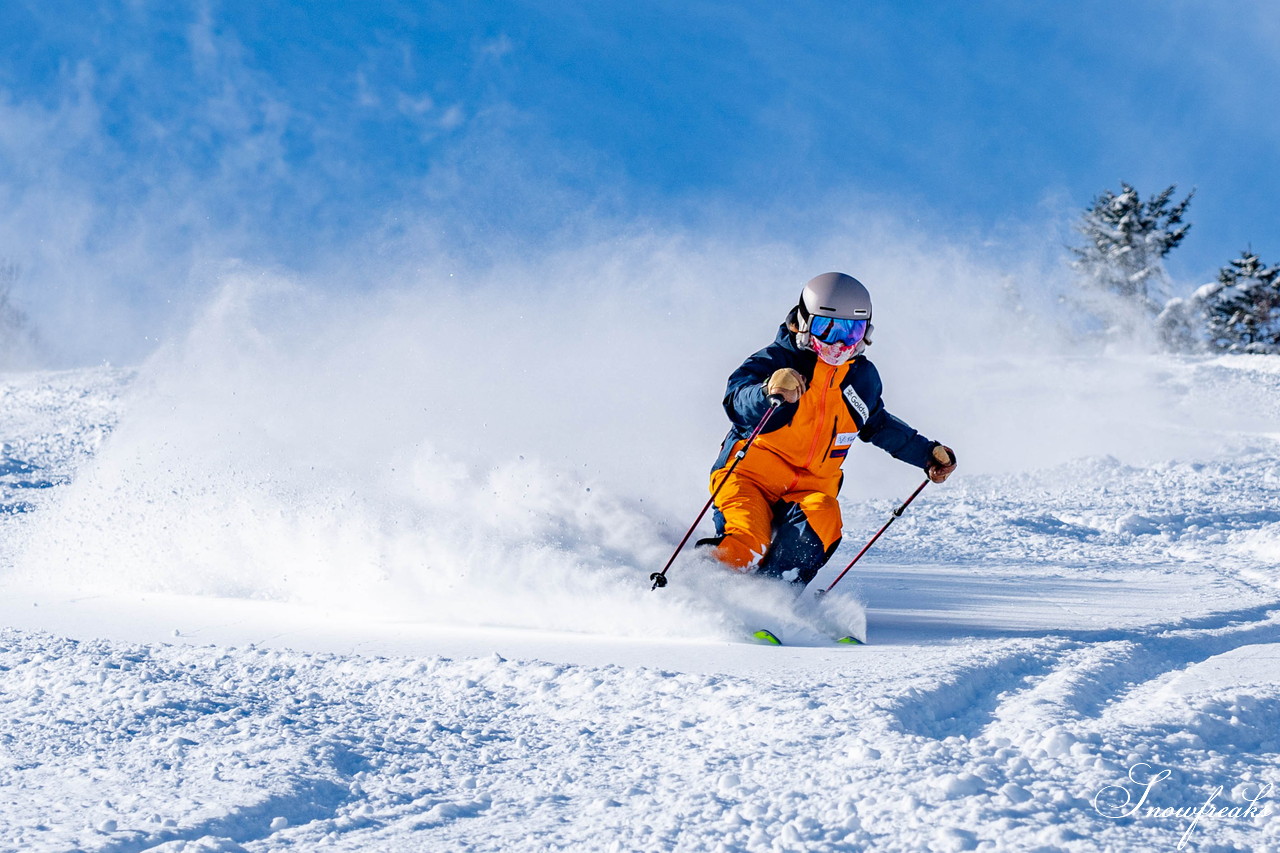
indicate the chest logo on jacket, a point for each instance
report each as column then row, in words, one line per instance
column 856, row 402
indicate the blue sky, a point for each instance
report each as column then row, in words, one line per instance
column 265, row 130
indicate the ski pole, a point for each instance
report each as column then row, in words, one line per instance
column 660, row 578
column 896, row 513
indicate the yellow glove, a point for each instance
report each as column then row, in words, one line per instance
column 786, row 383
column 942, row 463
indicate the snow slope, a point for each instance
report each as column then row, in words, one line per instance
column 221, row 634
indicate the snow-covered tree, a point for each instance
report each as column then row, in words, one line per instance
column 1121, row 258
column 1242, row 308
column 15, row 337
column 1180, row 326
column 11, row 318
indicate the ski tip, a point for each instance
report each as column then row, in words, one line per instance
column 850, row 641
column 767, row 638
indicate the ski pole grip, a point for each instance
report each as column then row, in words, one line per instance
column 775, row 400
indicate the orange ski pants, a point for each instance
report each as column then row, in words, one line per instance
column 774, row 516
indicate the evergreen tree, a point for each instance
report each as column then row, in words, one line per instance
column 1242, row 308
column 15, row 336
column 1180, row 326
column 1121, row 259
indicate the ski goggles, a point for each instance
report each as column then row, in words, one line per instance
column 832, row 330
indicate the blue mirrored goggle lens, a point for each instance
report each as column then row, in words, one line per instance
column 834, row 331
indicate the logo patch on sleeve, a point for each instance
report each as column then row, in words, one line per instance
column 845, row 438
column 856, row 402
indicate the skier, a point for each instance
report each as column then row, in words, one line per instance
column 777, row 513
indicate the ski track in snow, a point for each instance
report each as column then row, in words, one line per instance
column 1071, row 625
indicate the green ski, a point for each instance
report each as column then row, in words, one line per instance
column 768, row 638
column 765, row 637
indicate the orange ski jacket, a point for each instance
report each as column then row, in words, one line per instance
column 813, row 435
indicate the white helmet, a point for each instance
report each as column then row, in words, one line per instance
column 833, row 317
